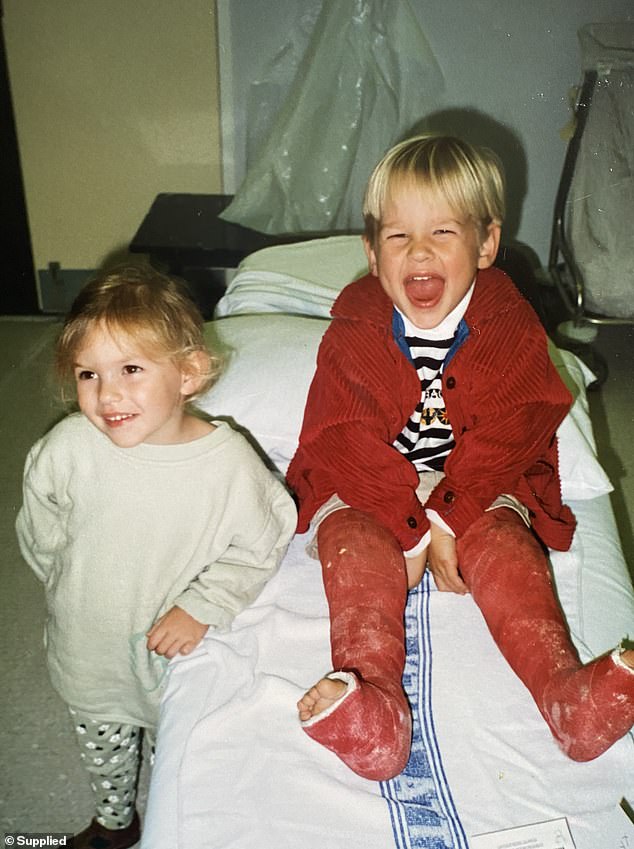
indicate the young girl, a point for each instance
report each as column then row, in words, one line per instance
column 429, row 438
column 146, row 523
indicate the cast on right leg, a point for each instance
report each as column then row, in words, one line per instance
column 587, row 708
column 369, row 727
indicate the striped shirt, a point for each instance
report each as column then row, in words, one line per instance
column 427, row 438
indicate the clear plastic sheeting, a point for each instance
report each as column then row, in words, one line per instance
column 600, row 205
column 366, row 76
column 266, row 95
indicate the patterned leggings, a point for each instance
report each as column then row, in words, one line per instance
column 111, row 752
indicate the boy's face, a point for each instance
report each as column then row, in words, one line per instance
column 126, row 394
column 426, row 255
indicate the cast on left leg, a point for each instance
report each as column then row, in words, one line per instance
column 588, row 708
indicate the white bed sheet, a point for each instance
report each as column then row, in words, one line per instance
column 235, row 771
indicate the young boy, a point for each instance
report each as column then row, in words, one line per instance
column 429, row 439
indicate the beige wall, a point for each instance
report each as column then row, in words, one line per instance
column 115, row 101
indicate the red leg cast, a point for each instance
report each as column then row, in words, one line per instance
column 586, row 707
column 366, row 587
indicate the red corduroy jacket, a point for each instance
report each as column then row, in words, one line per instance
column 503, row 397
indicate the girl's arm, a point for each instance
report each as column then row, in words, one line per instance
column 40, row 525
column 258, row 532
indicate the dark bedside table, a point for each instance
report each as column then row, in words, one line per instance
column 183, row 235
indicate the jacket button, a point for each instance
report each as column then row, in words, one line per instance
column 451, row 382
column 412, row 522
column 449, row 496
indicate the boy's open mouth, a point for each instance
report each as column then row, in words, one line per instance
column 424, row 290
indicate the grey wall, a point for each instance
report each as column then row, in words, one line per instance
column 508, row 66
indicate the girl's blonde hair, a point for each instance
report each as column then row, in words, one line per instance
column 470, row 178
column 153, row 309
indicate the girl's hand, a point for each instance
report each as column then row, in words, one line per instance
column 176, row 632
column 443, row 562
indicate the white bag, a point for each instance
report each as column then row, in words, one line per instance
column 366, row 77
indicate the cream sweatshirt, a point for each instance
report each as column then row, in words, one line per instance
column 120, row 535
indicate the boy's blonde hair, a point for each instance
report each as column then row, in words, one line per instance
column 153, row 309
column 470, row 178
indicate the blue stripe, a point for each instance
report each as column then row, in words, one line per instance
column 420, row 803
column 444, row 791
column 398, row 332
column 462, row 332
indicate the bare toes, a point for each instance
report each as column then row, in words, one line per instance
column 320, row 697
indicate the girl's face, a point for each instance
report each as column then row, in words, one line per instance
column 126, row 394
column 426, row 254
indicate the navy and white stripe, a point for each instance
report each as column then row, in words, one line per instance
column 427, row 439
column 421, row 806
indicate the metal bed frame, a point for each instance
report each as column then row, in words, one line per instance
column 562, row 266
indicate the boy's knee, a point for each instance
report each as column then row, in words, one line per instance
column 496, row 528
column 354, row 531
column 497, row 540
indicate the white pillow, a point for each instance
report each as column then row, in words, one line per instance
column 302, row 278
column 271, row 362
column 582, row 476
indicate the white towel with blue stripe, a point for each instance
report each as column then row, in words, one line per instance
column 234, row 770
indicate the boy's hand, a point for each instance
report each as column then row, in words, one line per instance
column 442, row 558
column 415, row 568
column 175, row 632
